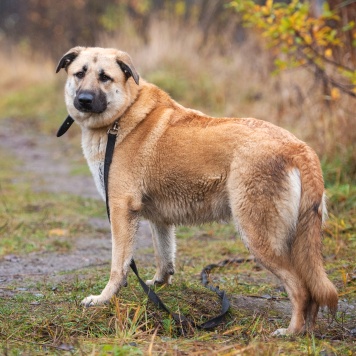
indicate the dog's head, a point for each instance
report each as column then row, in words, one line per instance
column 101, row 84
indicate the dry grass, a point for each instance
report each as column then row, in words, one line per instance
column 235, row 83
column 21, row 69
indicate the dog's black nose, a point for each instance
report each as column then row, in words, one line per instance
column 90, row 101
column 86, row 98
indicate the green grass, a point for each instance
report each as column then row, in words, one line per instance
column 37, row 221
column 45, row 318
column 40, row 104
column 40, row 217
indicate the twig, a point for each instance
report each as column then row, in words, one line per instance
column 149, row 352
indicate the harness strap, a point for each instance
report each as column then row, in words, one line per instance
column 110, row 146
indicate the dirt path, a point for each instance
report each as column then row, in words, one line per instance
column 48, row 163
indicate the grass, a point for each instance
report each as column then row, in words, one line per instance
column 41, row 104
column 39, row 221
column 46, row 317
column 43, row 316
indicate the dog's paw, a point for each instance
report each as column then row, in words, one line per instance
column 150, row 282
column 280, row 332
column 93, row 300
column 159, row 281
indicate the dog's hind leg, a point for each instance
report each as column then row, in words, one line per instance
column 266, row 213
column 299, row 297
column 279, row 264
column 165, row 247
column 311, row 314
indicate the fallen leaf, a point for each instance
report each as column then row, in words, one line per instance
column 58, row 232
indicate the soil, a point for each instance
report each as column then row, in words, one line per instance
column 48, row 162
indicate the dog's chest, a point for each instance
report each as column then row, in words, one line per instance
column 94, row 152
column 97, row 170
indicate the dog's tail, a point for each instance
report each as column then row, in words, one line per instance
column 306, row 248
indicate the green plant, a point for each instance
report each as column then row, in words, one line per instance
column 301, row 39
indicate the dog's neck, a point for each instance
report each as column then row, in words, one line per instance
column 94, row 140
column 148, row 99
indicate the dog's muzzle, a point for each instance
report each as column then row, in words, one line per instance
column 90, row 101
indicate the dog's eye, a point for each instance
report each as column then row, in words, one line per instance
column 104, row 78
column 80, row 75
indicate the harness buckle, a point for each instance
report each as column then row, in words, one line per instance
column 114, row 129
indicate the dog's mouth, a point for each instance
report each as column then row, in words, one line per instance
column 90, row 101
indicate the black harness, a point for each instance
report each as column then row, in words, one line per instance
column 179, row 318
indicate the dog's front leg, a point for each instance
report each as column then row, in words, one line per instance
column 124, row 222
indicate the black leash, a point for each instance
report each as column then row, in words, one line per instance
column 178, row 318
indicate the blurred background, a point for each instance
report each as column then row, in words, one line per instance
column 288, row 62
column 291, row 63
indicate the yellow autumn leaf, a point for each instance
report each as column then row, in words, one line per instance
column 328, row 53
column 58, row 232
column 344, row 276
column 270, row 20
column 180, row 8
column 308, row 39
column 269, row 4
column 335, row 94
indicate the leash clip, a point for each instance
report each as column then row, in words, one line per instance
column 114, row 129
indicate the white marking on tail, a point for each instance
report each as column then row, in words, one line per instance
column 288, row 211
column 324, row 210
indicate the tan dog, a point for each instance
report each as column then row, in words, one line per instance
column 174, row 165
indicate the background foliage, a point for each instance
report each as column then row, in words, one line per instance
column 325, row 43
column 312, row 43
column 288, row 62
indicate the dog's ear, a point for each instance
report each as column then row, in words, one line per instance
column 126, row 65
column 68, row 58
